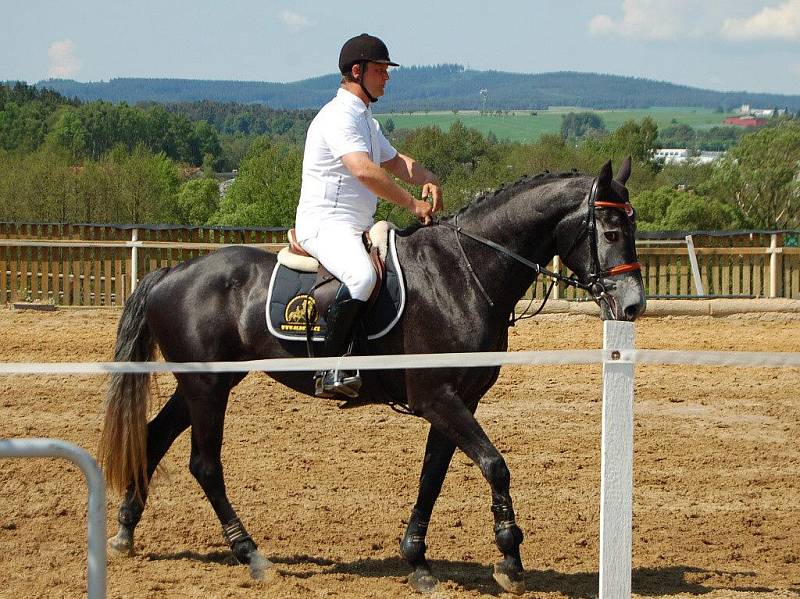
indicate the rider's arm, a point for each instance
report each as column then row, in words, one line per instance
column 378, row 182
column 409, row 170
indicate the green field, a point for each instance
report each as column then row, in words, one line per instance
column 522, row 126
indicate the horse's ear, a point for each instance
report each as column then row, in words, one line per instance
column 624, row 172
column 604, row 178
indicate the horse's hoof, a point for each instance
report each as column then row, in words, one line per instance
column 422, row 582
column 510, row 580
column 258, row 565
column 121, row 545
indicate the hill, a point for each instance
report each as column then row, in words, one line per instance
column 440, row 87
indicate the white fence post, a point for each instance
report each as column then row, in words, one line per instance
column 96, row 517
column 616, row 462
column 134, row 257
column 774, row 265
column 698, row 282
column 557, row 268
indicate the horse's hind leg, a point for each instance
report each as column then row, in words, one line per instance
column 208, row 418
column 449, row 414
column 438, row 453
column 162, row 431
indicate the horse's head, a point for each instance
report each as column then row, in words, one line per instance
column 597, row 242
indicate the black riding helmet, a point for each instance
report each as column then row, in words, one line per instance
column 362, row 49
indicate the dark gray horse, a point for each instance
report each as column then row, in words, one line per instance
column 464, row 277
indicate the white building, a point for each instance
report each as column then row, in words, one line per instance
column 671, row 155
column 681, row 155
column 762, row 113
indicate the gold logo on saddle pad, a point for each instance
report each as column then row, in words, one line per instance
column 295, row 315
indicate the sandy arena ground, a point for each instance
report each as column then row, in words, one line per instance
column 326, row 492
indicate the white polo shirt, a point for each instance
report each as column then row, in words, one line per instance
column 330, row 194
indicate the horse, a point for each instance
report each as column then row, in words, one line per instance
column 464, row 276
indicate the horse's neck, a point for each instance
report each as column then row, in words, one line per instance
column 524, row 222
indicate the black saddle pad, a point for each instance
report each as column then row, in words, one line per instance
column 288, row 302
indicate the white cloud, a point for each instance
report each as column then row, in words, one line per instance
column 647, row 19
column 63, row 62
column 294, row 20
column 778, row 22
column 671, row 20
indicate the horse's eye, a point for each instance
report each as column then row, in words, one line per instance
column 611, row 236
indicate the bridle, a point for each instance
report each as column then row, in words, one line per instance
column 597, row 283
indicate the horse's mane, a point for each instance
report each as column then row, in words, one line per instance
column 503, row 192
column 524, row 183
column 506, row 190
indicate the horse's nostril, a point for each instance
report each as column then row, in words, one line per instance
column 632, row 311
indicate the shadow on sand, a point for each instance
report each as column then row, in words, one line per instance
column 672, row 580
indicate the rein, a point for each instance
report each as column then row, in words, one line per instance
column 597, row 285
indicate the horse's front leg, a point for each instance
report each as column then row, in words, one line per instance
column 438, row 453
column 449, row 415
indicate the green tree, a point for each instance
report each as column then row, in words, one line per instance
column 677, row 136
column 206, row 141
column 635, row 139
column 148, row 184
column 197, row 201
column 761, row 177
column 266, row 190
column 667, row 209
column 70, row 133
column 578, row 125
column 22, row 127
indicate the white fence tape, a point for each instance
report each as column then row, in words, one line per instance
column 392, row 362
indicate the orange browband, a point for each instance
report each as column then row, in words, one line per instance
column 623, row 268
column 627, row 207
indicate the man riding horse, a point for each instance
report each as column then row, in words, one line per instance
column 343, row 175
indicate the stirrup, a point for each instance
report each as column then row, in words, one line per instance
column 330, row 383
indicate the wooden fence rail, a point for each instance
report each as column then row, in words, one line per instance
column 94, row 265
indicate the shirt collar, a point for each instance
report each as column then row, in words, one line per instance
column 351, row 101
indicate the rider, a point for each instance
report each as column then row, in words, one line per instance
column 342, row 177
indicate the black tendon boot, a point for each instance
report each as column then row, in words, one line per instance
column 340, row 318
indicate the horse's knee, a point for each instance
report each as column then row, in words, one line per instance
column 203, row 470
column 497, row 473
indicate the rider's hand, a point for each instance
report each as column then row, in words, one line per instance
column 433, row 191
column 423, row 211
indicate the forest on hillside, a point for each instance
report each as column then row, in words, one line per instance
column 437, row 87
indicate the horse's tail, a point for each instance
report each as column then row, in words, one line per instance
column 122, row 451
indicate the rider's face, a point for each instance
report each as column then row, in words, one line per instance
column 375, row 77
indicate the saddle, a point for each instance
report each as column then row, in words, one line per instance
column 326, row 285
column 301, row 289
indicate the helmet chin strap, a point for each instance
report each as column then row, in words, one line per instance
column 363, row 64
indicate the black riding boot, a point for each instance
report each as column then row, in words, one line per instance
column 340, row 319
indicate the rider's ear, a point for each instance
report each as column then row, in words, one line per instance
column 624, row 172
column 605, row 176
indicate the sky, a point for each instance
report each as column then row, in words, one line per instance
column 727, row 45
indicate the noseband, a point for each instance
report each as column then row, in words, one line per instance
column 597, row 284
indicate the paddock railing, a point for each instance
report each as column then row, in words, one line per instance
column 618, row 358
column 98, row 265
column 96, row 508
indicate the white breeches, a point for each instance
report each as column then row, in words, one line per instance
column 341, row 251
